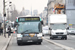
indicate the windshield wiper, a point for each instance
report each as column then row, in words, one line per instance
column 25, row 31
column 34, row 32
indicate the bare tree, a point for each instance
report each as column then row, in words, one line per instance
column 14, row 14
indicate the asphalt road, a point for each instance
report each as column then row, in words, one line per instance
column 44, row 46
column 70, row 42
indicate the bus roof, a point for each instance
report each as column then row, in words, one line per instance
column 28, row 16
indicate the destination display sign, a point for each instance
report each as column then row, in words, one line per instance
column 23, row 19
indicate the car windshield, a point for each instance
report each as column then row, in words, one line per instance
column 30, row 26
column 58, row 26
column 8, row 25
column 71, row 28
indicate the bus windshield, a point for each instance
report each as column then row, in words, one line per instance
column 30, row 26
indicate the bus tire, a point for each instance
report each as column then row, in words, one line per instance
column 39, row 43
column 19, row 43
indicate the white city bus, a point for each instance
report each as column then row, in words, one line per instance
column 29, row 29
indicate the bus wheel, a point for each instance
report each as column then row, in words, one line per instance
column 39, row 43
column 52, row 38
column 19, row 43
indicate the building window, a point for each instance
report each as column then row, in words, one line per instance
column 74, row 2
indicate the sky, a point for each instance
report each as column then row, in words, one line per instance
column 28, row 4
column 1, row 6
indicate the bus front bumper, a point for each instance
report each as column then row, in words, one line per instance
column 26, row 40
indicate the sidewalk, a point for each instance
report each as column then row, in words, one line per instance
column 4, row 42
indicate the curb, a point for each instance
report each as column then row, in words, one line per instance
column 60, row 45
column 7, row 44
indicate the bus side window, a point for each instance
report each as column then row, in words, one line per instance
column 39, row 27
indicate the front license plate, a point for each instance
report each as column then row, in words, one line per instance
column 29, row 41
column 19, row 39
column 59, row 36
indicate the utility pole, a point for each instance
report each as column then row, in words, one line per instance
column 4, row 15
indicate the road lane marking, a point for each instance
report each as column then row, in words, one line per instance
column 46, row 37
column 48, row 47
column 71, row 36
column 60, row 45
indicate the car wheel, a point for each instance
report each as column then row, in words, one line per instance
column 42, row 35
column 74, row 34
column 50, row 37
column 62, row 38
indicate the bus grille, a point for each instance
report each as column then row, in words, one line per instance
column 28, row 35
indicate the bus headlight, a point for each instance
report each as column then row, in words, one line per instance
column 39, row 36
column 19, row 38
column 19, row 35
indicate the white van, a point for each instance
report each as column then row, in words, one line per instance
column 57, row 26
column 45, row 30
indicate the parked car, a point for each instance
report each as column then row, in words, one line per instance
column 15, row 29
column 45, row 30
column 71, row 31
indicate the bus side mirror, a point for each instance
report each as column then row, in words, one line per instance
column 42, row 22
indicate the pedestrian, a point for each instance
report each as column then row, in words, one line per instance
column 0, row 31
column 9, row 31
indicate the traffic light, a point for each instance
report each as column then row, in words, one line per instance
column 5, row 15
